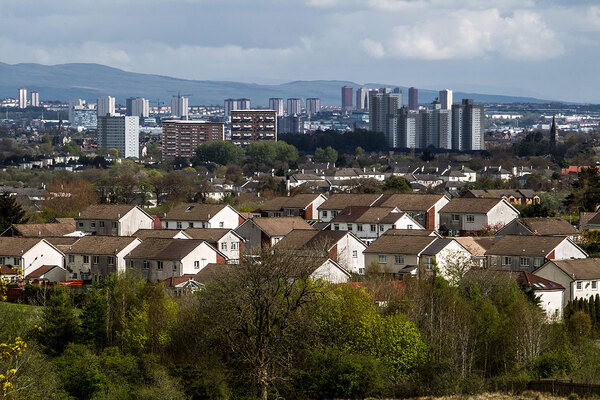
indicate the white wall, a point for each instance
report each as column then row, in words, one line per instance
column 502, row 213
column 228, row 239
column 121, row 264
column 228, row 217
column 134, row 220
column 41, row 254
column 437, row 207
column 345, row 250
column 331, row 273
column 566, row 250
column 551, row 302
column 452, row 253
column 204, row 253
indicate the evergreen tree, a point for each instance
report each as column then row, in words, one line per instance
column 580, row 304
column 585, row 192
column 592, row 308
column 59, row 325
column 93, row 322
column 11, row 212
column 586, row 307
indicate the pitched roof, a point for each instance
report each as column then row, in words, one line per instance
column 594, row 219
column 362, row 214
column 391, row 244
column 164, row 249
column 16, row 246
column 518, row 245
column 410, row 232
column 409, row 201
column 470, row 205
column 301, row 239
column 437, row 246
column 580, row 268
column 548, row 226
column 297, row 201
column 51, row 229
column 211, row 271
column 339, row 201
column 156, row 233
column 41, row 271
column 194, row 212
column 539, row 283
column 280, row 226
column 6, row 270
column 175, row 281
column 105, row 245
column 105, row 211
column 211, row 235
column 476, row 245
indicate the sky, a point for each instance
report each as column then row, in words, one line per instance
column 543, row 48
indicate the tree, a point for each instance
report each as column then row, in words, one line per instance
column 396, row 184
column 94, row 320
column 328, row 154
column 220, row 152
column 537, row 210
column 67, row 198
column 249, row 314
column 60, row 325
column 585, row 193
column 11, row 212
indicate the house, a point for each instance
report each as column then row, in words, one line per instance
column 462, row 216
column 96, row 257
column 9, row 274
column 521, row 197
column 527, row 253
column 262, row 233
column 546, row 226
column 197, row 215
column 179, row 285
column 159, row 258
column 495, row 173
column 65, row 227
column 579, row 277
column 424, row 208
column 49, row 273
column 28, row 254
column 592, row 223
column 160, row 233
column 415, row 255
column 113, row 220
column 226, row 241
column 302, row 205
column 337, row 202
column 368, row 223
column 477, row 246
column 343, row 247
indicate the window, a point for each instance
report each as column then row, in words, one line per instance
column 455, row 217
column 290, row 212
column 538, row 261
column 95, row 259
column 92, row 224
column 196, row 264
column 224, row 246
column 429, row 263
column 277, row 214
column 398, row 260
column 324, row 214
column 349, row 227
column 221, row 224
column 159, row 265
column 381, row 228
column 80, row 224
column 174, row 266
column 594, row 285
column 111, row 260
column 86, row 259
column 234, row 245
column 114, row 224
column 276, row 240
column 373, row 228
column 506, row 260
column 146, row 265
column 101, row 224
column 359, row 227
column 409, row 226
column 361, row 271
column 382, row 259
column 334, row 213
column 130, row 263
column 190, row 224
column 470, row 218
column 578, row 285
column 354, row 253
column 179, row 225
column 71, row 259
column 524, row 261
column 336, row 227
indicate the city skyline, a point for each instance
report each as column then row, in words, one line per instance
column 507, row 47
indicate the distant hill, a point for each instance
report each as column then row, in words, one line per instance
column 90, row 81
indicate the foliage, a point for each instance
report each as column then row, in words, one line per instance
column 396, row 184
column 327, row 155
column 60, row 326
column 11, row 212
column 341, row 141
column 585, row 192
column 537, row 210
column 94, row 321
column 220, row 152
column 66, row 198
column 265, row 152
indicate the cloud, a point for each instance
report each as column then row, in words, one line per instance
column 373, row 47
column 522, row 35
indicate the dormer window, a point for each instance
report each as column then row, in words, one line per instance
column 190, row 208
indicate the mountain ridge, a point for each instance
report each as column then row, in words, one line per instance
column 92, row 80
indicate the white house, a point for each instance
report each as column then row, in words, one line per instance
column 28, row 254
column 196, row 215
column 579, row 277
column 260, row 233
column 343, row 247
column 368, row 223
column 337, row 202
column 424, row 208
column 113, row 219
column 159, row 258
column 227, row 241
column 327, row 270
column 462, row 215
column 302, row 205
